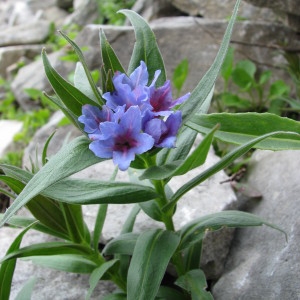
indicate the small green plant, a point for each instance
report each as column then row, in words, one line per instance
column 180, row 75
column 254, row 92
column 107, row 11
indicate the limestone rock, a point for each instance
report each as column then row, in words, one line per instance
column 261, row 264
column 8, row 129
column 33, row 76
column 12, row 54
column 29, row 33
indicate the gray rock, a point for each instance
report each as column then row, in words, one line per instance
column 214, row 9
column 183, row 35
column 262, row 265
column 33, row 76
column 85, row 12
column 8, row 129
column 30, row 33
column 288, row 10
column 12, row 54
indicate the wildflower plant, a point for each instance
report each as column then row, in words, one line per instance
column 133, row 119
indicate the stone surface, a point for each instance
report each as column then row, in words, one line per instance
column 33, row 76
column 183, row 35
column 8, row 128
column 29, row 33
column 12, row 54
column 288, row 10
column 261, row 264
column 214, row 9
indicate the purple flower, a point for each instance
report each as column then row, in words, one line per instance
column 122, row 140
column 162, row 102
column 132, row 90
column 92, row 116
column 164, row 132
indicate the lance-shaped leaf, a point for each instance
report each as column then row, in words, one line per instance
column 71, row 263
column 240, row 128
column 26, row 291
column 195, row 283
column 72, row 98
column 51, row 248
column 97, row 274
column 196, row 102
column 220, row 165
column 79, row 191
column 151, row 256
column 145, row 48
column 79, row 53
column 109, row 57
column 71, row 159
column 194, row 231
column 122, row 244
column 7, row 267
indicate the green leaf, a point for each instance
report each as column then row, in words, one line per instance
column 195, row 230
column 51, row 248
column 278, row 89
column 152, row 209
column 168, row 293
column 145, row 48
column 195, row 283
column 66, row 263
column 220, row 165
column 122, row 244
column 18, row 221
column 109, row 57
column 242, row 79
column 227, row 65
column 82, row 83
column 248, row 66
column 93, row 86
column 115, row 296
column 232, row 100
column 100, row 219
column 239, row 128
column 180, row 74
column 72, row 98
column 196, row 102
column 79, row 191
column 45, row 148
column 97, row 274
column 177, row 168
column 264, row 77
column 151, row 256
column 26, row 291
column 8, row 267
column 71, row 158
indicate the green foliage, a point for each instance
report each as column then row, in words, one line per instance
column 107, row 11
column 137, row 262
column 254, row 91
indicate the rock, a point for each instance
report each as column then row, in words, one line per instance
column 55, row 15
column 288, row 10
column 30, row 33
column 183, row 35
column 12, row 54
column 261, row 264
column 8, row 129
column 214, row 9
column 65, row 4
column 33, row 76
column 85, row 12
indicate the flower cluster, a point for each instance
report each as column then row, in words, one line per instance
column 135, row 118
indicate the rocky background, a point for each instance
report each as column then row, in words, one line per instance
column 245, row 264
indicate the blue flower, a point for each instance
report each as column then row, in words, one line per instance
column 132, row 90
column 122, row 140
column 164, row 132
